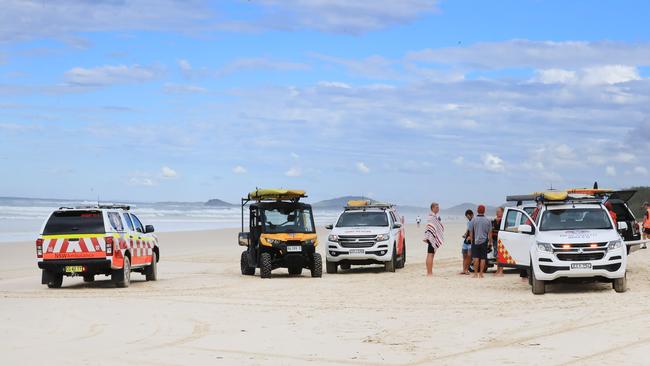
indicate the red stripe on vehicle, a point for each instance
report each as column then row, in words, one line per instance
column 95, row 242
column 82, row 245
column 64, row 246
column 50, row 247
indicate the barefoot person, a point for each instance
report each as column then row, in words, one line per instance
column 479, row 230
column 466, row 250
column 496, row 224
column 433, row 236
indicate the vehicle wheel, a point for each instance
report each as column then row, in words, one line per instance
column 151, row 272
column 89, row 278
column 122, row 277
column 620, row 284
column 539, row 287
column 246, row 269
column 295, row 271
column 402, row 259
column 392, row 263
column 265, row 265
column 317, row 266
column 346, row 266
column 55, row 280
column 331, row 267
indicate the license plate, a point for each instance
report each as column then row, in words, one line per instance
column 357, row 251
column 294, row 248
column 580, row 265
column 74, row 269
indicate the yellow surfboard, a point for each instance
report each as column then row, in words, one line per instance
column 276, row 194
column 553, row 195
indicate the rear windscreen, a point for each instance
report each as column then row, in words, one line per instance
column 75, row 222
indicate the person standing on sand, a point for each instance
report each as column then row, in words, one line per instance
column 466, row 250
column 433, row 236
column 479, row 230
column 496, row 224
column 417, row 220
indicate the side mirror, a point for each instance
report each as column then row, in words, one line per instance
column 149, row 229
column 329, row 227
column 243, row 239
column 525, row 229
column 622, row 226
column 397, row 225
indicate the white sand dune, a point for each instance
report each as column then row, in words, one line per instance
column 203, row 311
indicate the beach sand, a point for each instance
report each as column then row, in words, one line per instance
column 202, row 310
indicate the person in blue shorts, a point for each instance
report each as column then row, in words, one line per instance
column 466, row 250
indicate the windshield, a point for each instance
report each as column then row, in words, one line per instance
column 355, row 219
column 288, row 220
column 75, row 222
column 576, row 218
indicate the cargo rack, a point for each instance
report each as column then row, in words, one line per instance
column 382, row 206
column 567, row 201
column 99, row 206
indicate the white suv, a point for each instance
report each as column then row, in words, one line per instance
column 568, row 238
column 366, row 233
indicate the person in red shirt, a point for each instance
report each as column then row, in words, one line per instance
column 610, row 208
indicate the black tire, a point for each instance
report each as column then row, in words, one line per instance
column 246, row 269
column 392, row 263
column 265, row 265
column 122, row 277
column 538, row 286
column 295, row 271
column 620, row 284
column 55, row 280
column 151, row 272
column 345, row 266
column 317, row 266
column 89, row 278
column 402, row 259
column 331, row 267
column 530, row 278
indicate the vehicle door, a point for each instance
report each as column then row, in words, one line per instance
column 397, row 233
column 141, row 243
column 513, row 246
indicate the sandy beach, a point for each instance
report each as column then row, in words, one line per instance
column 202, row 310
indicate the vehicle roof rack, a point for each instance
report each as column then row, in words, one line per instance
column 377, row 205
column 105, row 206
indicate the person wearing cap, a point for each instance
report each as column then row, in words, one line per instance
column 480, row 229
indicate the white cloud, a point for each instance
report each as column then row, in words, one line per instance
column 640, row 170
column 184, row 65
column 334, row 84
column 295, row 156
column 170, row 88
column 459, row 160
column 142, row 181
column 343, row 16
column 493, row 163
column 110, row 74
column 538, row 55
column 293, row 172
column 362, row 167
column 168, row 172
column 610, row 170
column 597, row 75
column 556, row 76
column 239, row 170
column 245, row 64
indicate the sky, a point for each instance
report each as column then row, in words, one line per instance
column 405, row 101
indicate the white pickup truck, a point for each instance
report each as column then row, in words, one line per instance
column 569, row 237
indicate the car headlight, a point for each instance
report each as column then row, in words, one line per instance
column 615, row 244
column 274, row 241
column 383, row 237
column 544, row 247
column 333, row 238
column 309, row 241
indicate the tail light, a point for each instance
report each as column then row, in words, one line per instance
column 109, row 245
column 39, row 248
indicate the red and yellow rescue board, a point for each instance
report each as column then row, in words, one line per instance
column 553, row 195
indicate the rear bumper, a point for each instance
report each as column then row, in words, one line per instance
column 91, row 266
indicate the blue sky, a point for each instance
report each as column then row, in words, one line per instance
column 407, row 101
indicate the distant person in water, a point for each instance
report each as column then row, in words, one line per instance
column 466, row 250
column 433, row 236
column 418, row 220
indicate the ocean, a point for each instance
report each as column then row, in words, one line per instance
column 21, row 219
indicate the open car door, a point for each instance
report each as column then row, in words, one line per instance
column 513, row 246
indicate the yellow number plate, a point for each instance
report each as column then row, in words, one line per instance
column 74, row 269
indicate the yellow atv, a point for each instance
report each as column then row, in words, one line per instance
column 281, row 234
